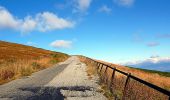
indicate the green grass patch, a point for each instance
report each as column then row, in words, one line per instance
column 35, row 65
column 54, row 61
column 26, row 71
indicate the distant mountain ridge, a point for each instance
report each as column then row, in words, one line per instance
column 153, row 63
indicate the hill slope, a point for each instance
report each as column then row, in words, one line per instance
column 147, row 75
column 18, row 51
column 18, row 60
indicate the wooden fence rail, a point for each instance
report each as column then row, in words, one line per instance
column 101, row 65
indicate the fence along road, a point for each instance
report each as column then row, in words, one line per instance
column 129, row 76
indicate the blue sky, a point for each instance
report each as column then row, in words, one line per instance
column 113, row 30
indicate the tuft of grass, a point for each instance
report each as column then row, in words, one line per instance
column 26, row 71
column 35, row 65
column 54, row 61
column 92, row 71
column 5, row 75
column 106, row 91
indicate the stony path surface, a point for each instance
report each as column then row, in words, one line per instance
column 74, row 83
column 65, row 81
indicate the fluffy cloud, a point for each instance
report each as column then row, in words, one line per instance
column 126, row 3
column 153, row 44
column 159, row 59
column 28, row 24
column 61, row 44
column 48, row 21
column 7, row 20
column 105, row 9
column 152, row 59
column 43, row 22
column 82, row 5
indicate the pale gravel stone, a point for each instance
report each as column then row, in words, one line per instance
column 75, row 75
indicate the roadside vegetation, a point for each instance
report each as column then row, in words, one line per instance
column 92, row 72
column 166, row 74
column 18, row 60
column 134, row 89
column 158, row 78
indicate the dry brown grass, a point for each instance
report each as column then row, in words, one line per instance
column 92, row 71
column 19, row 60
column 134, row 90
column 153, row 78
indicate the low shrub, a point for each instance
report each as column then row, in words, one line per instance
column 6, row 74
column 26, row 71
column 54, row 61
column 35, row 65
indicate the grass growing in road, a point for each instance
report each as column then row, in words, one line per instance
column 91, row 72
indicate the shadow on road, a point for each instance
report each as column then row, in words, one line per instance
column 50, row 93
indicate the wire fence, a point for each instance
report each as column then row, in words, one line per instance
column 125, row 86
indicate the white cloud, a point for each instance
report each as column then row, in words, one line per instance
column 48, row 21
column 28, row 24
column 61, row 44
column 7, row 20
column 105, row 9
column 126, row 3
column 153, row 63
column 43, row 22
column 153, row 44
column 155, row 59
column 82, row 5
column 158, row 59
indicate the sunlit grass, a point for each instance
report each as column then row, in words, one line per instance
column 18, row 60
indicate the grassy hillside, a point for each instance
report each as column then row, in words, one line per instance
column 18, row 60
column 167, row 74
column 147, row 75
column 134, row 89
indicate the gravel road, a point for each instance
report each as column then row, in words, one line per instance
column 65, row 81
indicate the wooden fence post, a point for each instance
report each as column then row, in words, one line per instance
column 126, row 83
column 101, row 67
column 105, row 75
column 112, row 78
column 95, row 63
column 98, row 66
